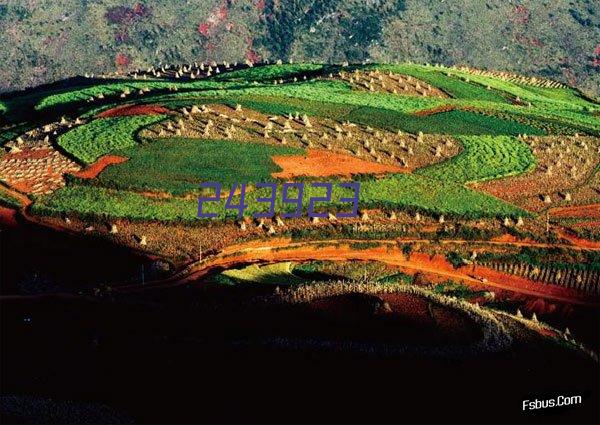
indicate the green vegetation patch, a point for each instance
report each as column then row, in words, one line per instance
column 271, row 274
column 559, row 98
column 483, row 158
column 454, row 86
column 270, row 72
column 8, row 200
column 90, row 141
column 410, row 192
column 115, row 89
column 178, row 165
column 416, row 192
column 452, row 122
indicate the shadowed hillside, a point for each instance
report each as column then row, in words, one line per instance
column 558, row 39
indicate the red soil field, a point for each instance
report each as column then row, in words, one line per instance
column 8, row 217
column 92, row 170
column 585, row 243
column 128, row 110
column 579, row 211
column 319, row 163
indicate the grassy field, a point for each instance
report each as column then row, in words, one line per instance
column 453, row 122
column 269, row 274
column 177, row 165
column 90, row 141
column 270, row 72
column 414, row 192
column 115, row 89
column 484, row 158
column 411, row 192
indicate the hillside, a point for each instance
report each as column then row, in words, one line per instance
column 218, row 223
column 50, row 40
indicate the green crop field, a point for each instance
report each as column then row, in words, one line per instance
column 90, row 141
column 484, row 158
column 270, row 72
column 455, row 87
column 177, row 165
column 453, row 122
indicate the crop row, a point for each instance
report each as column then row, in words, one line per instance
column 484, row 158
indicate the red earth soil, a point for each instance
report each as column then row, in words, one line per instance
column 8, row 217
column 584, row 243
column 579, row 211
column 436, row 110
column 319, row 163
column 92, row 170
column 127, row 110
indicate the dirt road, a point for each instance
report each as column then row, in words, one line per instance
column 280, row 250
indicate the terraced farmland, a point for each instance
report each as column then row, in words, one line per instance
column 405, row 212
column 432, row 147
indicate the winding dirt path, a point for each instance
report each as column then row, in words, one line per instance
column 283, row 249
column 280, row 250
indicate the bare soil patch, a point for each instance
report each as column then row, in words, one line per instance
column 128, row 110
column 323, row 163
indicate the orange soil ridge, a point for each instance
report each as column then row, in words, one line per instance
column 579, row 211
column 319, row 163
column 584, row 243
column 92, row 170
column 127, row 110
column 282, row 249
